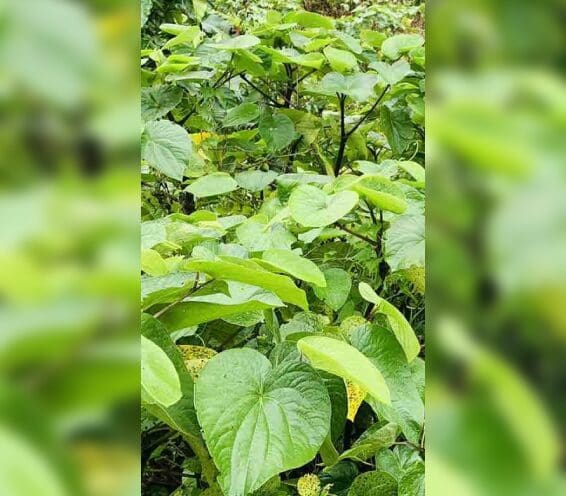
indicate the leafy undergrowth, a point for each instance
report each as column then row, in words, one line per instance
column 282, row 254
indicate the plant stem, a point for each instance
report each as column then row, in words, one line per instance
column 362, row 120
column 259, row 90
column 343, row 135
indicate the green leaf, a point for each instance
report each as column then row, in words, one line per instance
column 166, row 147
column 146, row 6
column 337, row 288
column 297, row 266
column 159, row 380
column 371, row 441
column 381, row 193
column 153, row 264
column 242, row 114
column 249, row 272
column 255, row 180
column 312, row 207
column 413, row 169
column 156, row 101
column 398, row 44
column 343, row 360
column 374, row 484
column 238, row 42
column 392, row 73
column 372, row 38
column 385, row 353
column 398, row 129
column 258, row 234
column 277, row 130
column 357, row 86
column 398, row 460
column 340, row 60
column 217, row 183
column 404, row 241
column 309, row 20
column 253, row 417
column 180, row 416
column 412, row 482
column 397, row 321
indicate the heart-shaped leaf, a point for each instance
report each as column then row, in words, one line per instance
column 159, row 380
column 166, row 147
column 242, row 114
column 392, row 73
column 277, row 130
column 398, row 44
column 253, row 417
column 312, row 207
column 357, row 86
column 340, row 60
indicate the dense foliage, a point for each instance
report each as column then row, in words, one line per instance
column 282, row 252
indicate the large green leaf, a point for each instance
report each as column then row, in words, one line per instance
column 277, row 130
column 166, row 147
column 180, row 416
column 200, row 308
column 242, row 114
column 371, row 441
column 259, row 234
column 404, row 241
column 238, row 42
column 392, row 73
column 412, row 482
column 406, row 408
column 246, row 271
column 381, row 193
column 157, row 100
column 312, row 207
column 374, row 484
column 337, row 288
column 398, row 44
column 341, row 359
column 358, row 86
column 398, row 128
column 159, row 380
column 255, row 180
column 253, row 417
column 217, row 183
column 340, row 60
column 297, row 266
column 397, row 321
column 309, row 20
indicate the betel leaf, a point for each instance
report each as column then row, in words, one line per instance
column 246, row 271
column 166, row 147
column 238, row 42
column 253, row 417
column 242, row 114
column 217, row 183
column 340, row 60
column 255, row 180
column 341, row 359
column 357, row 86
column 309, row 20
column 180, row 416
column 381, row 193
column 392, row 73
column 371, row 441
column 200, row 308
column 295, row 265
column 412, row 482
column 337, row 288
column 385, row 353
column 397, row 321
column 398, row 44
column 374, row 484
column 277, row 130
column 159, row 380
column 157, row 100
column 404, row 241
column 312, row 207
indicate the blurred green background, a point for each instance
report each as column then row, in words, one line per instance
column 69, row 251
column 496, row 248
